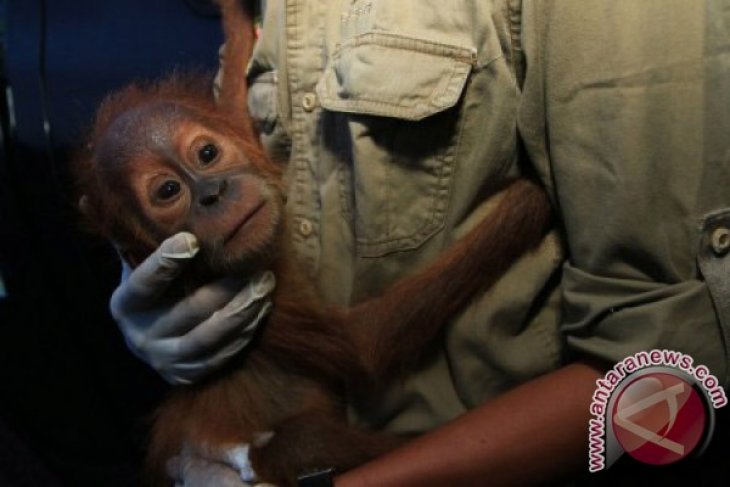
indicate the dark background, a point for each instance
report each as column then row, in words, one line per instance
column 73, row 400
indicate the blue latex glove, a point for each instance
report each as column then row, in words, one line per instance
column 187, row 339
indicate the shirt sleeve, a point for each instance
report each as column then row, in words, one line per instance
column 626, row 116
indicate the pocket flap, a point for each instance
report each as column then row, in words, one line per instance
column 394, row 76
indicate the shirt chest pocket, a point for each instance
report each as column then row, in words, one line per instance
column 397, row 95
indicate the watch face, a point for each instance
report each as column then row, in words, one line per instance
column 321, row 478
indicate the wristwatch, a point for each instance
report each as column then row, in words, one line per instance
column 320, row 478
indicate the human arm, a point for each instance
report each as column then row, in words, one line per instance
column 627, row 124
column 529, row 435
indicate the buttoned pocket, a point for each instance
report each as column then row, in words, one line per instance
column 398, row 96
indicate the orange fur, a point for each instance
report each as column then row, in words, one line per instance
column 294, row 378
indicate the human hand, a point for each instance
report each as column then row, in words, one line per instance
column 204, row 466
column 187, row 338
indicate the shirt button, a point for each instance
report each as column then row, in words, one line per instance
column 306, row 227
column 309, row 101
column 720, row 241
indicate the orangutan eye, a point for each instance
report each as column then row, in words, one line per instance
column 168, row 190
column 207, row 154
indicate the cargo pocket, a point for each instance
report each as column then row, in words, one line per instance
column 398, row 96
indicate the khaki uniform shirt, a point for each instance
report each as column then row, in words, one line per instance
column 400, row 119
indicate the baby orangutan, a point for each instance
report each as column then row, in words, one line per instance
column 164, row 158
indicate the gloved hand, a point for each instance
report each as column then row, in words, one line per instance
column 201, row 466
column 186, row 339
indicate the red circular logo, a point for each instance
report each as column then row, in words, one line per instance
column 659, row 418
